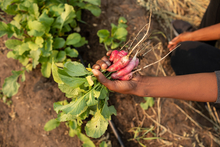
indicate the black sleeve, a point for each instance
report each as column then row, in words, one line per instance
column 218, row 82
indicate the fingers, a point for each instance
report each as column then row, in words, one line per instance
column 101, row 78
column 109, row 52
column 102, row 64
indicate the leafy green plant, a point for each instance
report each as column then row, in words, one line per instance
column 116, row 37
column 140, row 134
column 149, row 103
column 44, row 30
column 88, row 98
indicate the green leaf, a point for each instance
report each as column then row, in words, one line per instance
column 61, row 56
column 34, row 10
column 65, row 18
column 10, row 86
column 103, row 92
column 81, row 42
column 103, row 34
column 96, row 11
column 35, row 55
column 36, row 28
column 46, row 20
column 55, row 73
column 108, row 111
column 39, row 41
column 74, row 108
column 91, row 99
column 73, row 39
column 46, row 69
column 149, row 103
column 122, row 20
column 71, row 52
column 69, row 91
column 23, row 77
column 75, row 69
column 86, row 141
column 33, row 46
column 23, row 47
column 56, row 10
column 114, row 45
column 97, row 126
column 12, row 43
column 13, row 55
column 94, row 2
column 51, row 124
column 23, row 60
column 4, row 29
column 121, row 33
column 103, row 144
column 47, row 47
column 58, row 43
column 114, row 29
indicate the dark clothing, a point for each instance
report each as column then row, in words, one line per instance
column 198, row 57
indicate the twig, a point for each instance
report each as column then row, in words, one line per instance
column 210, row 112
column 187, row 116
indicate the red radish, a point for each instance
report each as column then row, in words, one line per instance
column 126, row 77
column 120, row 55
column 131, row 65
column 121, row 63
column 113, row 55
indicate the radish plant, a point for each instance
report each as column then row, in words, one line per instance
column 42, row 30
column 116, row 37
column 88, row 98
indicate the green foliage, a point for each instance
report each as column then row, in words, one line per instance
column 149, row 103
column 116, row 37
column 89, row 97
column 44, row 30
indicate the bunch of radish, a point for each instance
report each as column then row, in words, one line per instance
column 122, row 65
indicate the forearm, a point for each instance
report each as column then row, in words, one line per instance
column 207, row 33
column 193, row 87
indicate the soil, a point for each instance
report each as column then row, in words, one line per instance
column 21, row 124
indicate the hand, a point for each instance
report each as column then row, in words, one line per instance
column 125, row 87
column 182, row 37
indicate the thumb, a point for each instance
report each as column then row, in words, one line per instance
column 101, row 78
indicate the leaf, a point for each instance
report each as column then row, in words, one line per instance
column 58, row 43
column 86, row 141
column 23, row 47
column 97, row 126
column 81, row 42
column 108, row 111
column 55, row 73
column 91, row 99
column 10, row 86
column 34, row 10
column 46, row 20
column 56, row 10
column 73, row 39
column 74, row 108
column 47, row 47
column 103, row 34
column 4, row 29
column 39, row 41
column 46, row 69
column 23, row 60
column 61, row 56
column 33, row 46
column 66, row 17
column 121, row 33
column 94, row 2
column 12, row 43
column 96, row 11
column 69, row 91
column 149, row 103
column 36, row 28
column 122, row 20
column 90, row 81
column 114, row 45
column 103, row 144
column 51, row 124
column 35, row 55
column 103, row 92
column 71, row 52
column 75, row 69
column 11, row 54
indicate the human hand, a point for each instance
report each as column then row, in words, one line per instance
column 187, row 36
column 125, row 87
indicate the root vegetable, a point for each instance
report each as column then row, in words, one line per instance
column 113, row 55
column 121, row 63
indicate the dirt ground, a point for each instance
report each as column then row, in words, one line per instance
column 22, row 123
